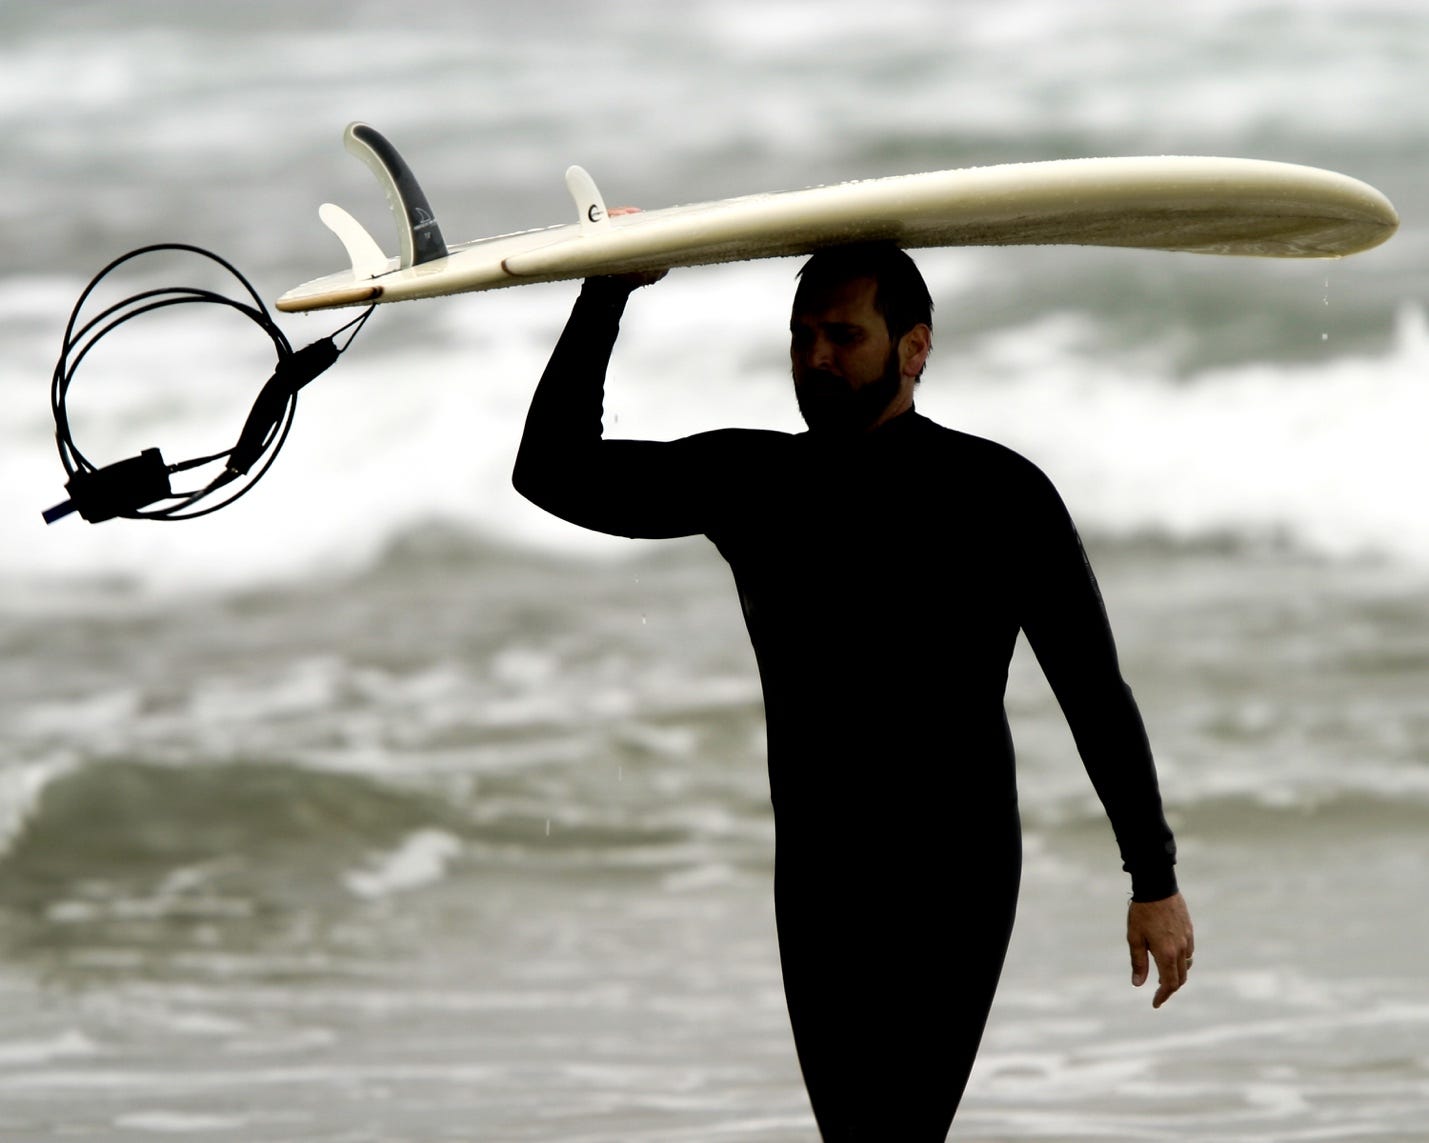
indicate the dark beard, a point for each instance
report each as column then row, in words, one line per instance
column 830, row 405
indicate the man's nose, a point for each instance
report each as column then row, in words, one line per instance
column 821, row 353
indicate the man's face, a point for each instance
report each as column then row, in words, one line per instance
column 847, row 371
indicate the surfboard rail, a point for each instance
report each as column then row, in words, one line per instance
column 1196, row 204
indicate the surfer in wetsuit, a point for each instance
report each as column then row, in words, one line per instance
column 885, row 566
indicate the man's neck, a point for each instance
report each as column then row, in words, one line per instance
column 903, row 404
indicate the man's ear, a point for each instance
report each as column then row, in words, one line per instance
column 913, row 349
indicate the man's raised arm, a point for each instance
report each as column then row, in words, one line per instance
column 626, row 488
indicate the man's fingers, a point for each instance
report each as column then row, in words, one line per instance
column 1171, row 968
column 1166, row 988
column 1138, row 965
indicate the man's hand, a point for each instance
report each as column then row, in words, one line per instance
column 637, row 278
column 618, row 287
column 633, row 281
column 1162, row 929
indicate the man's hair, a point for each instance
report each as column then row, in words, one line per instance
column 901, row 297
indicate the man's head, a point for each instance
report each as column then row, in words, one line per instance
column 860, row 332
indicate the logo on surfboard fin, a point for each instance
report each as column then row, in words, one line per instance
column 417, row 229
column 589, row 204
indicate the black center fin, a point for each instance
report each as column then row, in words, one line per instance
column 417, row 229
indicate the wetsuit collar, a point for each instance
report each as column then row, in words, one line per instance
column 898, row 425
column 893, row 429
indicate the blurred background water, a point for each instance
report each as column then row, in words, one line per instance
column 381, row 807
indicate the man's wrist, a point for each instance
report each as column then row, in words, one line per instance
column 608, row 291
column 1153, row 885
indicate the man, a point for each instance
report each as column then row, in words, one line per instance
column 885, row 565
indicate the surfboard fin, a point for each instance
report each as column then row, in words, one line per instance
column 589, row 203
column 417, row 229
column 362, row 250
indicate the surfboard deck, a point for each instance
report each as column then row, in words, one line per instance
column 1196, row 204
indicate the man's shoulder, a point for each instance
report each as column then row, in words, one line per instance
column 990, row 455
column 737, row 442
column 736, row 436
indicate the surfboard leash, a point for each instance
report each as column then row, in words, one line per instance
column 139, row 488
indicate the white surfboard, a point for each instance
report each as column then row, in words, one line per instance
column 1197, row 204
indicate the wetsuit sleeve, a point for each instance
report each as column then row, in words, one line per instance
column 1066, row 624
column 647, row 489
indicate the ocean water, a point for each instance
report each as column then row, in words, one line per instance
column 381, row 807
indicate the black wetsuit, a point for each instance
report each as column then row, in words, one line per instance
column 884, row 579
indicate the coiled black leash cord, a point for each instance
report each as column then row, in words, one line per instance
column 130, row 487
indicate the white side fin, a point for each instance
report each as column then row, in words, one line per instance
column 362, row 250
column 593, row 215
